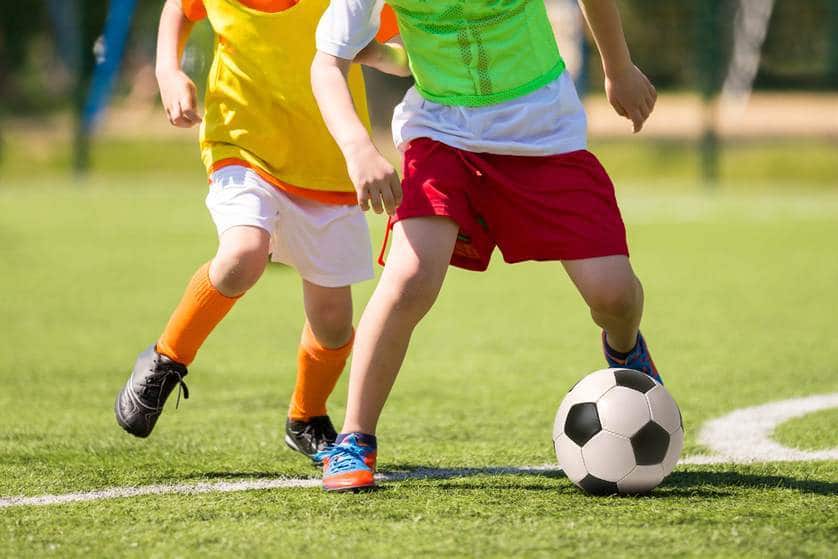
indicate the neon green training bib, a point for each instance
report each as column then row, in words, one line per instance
column 478, row 52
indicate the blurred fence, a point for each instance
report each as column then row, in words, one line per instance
column 684, row 44
column 47, row 52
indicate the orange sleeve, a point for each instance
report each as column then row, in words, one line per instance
column 194, row 10
column 389, row 26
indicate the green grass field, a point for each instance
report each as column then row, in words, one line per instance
column 741, row 290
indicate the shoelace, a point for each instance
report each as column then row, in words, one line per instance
column 163, row 378
column 319, row 428
column 342, row 458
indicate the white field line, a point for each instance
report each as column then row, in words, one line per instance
column 183, row 488
column 741, row 437
column 252, row 485
column 744, row 436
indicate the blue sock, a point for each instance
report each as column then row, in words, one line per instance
column 362, row 438
column 619, row 354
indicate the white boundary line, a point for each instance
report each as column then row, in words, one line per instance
column 744, row 436
column 253, row 485
column 185, row 489
column 741, row 437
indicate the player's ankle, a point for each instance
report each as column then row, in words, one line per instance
column 365, row 439
column 621, row 354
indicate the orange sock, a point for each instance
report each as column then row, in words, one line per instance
column 199, row 311
column 318, row 370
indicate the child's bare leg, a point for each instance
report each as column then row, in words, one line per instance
column 411, row 281
column 209, row 296
column 241, row 258
column 238, row 264
column 614, row 295
column 329, row 313
column 325, row 345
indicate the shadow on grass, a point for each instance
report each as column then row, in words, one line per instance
column 696, row 483
column 709, row 478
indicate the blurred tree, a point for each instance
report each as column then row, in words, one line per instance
column 832, row 65
column 20, row 22
column 91, row 14
column 710, row 66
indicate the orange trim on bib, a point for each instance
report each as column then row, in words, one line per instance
column 322, row 196
column 389, row 25
column 194, row 10
column 270, row 6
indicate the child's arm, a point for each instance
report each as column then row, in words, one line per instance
column 177, row 91
column 629, row 91
column 389, row 57
column 375, row 180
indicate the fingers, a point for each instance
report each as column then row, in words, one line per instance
column 637, row 120
column 382, row 196
column 370, row 197
column 633, row 96
column 375, row 200
column 388, row 200
column 364, row 199
column 651, row 97
column 619, row 108
column 640, row 112
column 182, row 116
column 191, row 115
column 182, row 111
column 188, row 113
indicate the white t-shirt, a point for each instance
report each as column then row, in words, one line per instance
column 547, row 121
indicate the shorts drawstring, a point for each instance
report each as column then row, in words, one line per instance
column 390, row 221
column 386, row 238
column 471, row 166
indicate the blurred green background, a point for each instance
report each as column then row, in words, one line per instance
column 719, row 119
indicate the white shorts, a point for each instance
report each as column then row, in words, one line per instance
column 329, row 245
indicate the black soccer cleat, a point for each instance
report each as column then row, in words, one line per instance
column 310, row 437
column 140, row 402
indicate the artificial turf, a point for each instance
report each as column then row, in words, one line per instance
column 741, row 302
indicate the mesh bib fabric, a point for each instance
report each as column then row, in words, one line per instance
column 478, row 52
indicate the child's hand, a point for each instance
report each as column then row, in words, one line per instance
column 180, row 98
column 375, row 180
column 631, row 94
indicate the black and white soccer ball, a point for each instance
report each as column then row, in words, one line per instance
column 618, row 431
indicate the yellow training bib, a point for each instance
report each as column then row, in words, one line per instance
column 259, row 106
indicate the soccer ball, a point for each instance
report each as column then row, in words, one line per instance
column 618, row 431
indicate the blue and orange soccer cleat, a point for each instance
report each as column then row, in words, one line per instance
column 638, row 358
column 349, row 465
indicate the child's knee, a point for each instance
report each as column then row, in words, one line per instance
column 623, row 299
column 414, row 292
column 331, row 321
column 235, row 269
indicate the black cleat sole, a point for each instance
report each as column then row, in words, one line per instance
column 124, row 424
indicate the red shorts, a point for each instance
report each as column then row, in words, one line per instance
column 558, row 207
